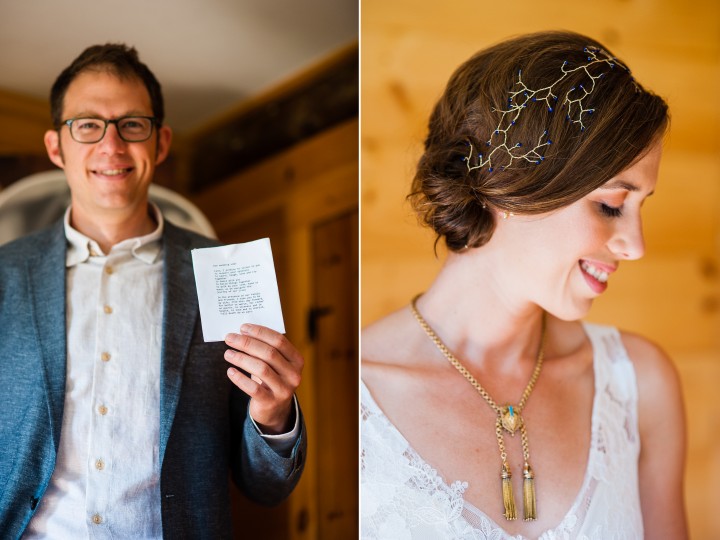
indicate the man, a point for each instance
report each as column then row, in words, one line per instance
column 118, row 420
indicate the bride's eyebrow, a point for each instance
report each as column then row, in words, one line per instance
column 620, row 184
column 623, row 184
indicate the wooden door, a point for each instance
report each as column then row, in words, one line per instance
column 333, row 327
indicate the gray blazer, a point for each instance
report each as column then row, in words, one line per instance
column 204, row 427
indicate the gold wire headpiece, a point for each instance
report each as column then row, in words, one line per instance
column 576, row 110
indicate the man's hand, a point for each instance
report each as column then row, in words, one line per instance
column 274, row 365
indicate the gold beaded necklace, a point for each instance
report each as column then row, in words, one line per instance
column 508, row 419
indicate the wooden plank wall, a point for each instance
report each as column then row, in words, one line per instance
column 23, row 122
column 408, row 50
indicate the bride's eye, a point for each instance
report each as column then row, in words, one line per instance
column 610, row 211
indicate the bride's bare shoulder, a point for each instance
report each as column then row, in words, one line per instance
column 391, row 346
column 387, row 340
column 395, row 357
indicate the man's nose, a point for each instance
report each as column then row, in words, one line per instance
column 111, row 141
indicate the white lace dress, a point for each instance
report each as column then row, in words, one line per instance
column 402, row 497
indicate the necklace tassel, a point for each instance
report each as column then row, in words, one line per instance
column 507, row 490
column 529, row 501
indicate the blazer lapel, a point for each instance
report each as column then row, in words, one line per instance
column 180, row 313
column 46, row 281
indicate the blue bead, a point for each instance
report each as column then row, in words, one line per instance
column 490, row 169
column 550, row 109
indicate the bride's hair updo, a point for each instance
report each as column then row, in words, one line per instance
column 569, row 150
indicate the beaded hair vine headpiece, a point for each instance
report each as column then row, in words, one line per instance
column 518, row 101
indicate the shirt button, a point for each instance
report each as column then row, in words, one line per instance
column 105, row 357
column 102, row 409
column 99, row 464
column 107, row 309
column 108, row 270
column 96, row 519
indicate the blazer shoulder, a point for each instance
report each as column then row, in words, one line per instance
column 37, row 243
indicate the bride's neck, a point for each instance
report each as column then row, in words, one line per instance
column 475, row 314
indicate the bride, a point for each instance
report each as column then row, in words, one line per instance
column 489, row 410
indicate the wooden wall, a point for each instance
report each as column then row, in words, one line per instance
column 410, row 47
column 23, row 122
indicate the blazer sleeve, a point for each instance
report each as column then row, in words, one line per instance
column 260, row 472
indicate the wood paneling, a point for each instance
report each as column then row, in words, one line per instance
column 313, row 101
column 333, row 328
column 23, row 122
column 319, row 103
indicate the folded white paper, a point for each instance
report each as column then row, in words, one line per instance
column 236, row 284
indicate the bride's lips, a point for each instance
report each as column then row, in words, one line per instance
column 596, row 274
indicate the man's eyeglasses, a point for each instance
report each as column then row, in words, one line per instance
column 130, row 128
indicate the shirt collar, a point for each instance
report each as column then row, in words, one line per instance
column 145, row 248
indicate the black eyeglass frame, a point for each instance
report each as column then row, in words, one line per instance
column 154, row 122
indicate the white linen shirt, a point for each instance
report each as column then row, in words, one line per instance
column 106, row 482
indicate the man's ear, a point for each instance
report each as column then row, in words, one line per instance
column 163, row 144
column 52, row 145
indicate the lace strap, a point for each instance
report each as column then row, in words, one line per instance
column 612, row 365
